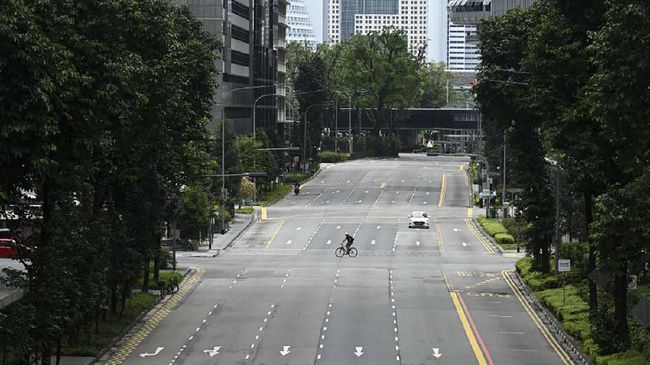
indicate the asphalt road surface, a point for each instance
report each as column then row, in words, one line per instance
column 412, row 296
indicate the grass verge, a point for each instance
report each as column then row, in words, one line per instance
column 244, row 210
column 278, row 192
column 568, row 306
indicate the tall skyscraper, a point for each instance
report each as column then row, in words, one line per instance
column 349, row 17
column 300, row 26
column 462, row 51
column 252, row 33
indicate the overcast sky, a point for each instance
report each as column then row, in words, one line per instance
column 315, row 9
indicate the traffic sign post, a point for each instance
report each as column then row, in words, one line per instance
column 563, row 265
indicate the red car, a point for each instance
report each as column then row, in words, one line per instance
column 7, row 244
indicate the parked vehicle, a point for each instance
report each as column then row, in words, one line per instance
column 8, row 247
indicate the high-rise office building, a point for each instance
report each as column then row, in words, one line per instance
column 300, row 26
column 462, row 48
column 252, row 34
column 349, row 17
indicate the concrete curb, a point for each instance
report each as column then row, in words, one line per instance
column 489, row 238
column 250, row 222
column 551, row 323
column 119, row 341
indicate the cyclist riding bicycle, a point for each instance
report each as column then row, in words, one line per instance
column 349, row 239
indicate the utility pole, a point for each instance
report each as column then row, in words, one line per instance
column 558, row 238
column 503, row 195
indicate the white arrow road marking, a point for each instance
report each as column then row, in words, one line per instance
column 465, row 244
column 328, row 242
column 288, row 242
column 359, row 351
column 456, row 229
column 436, row 352
column 214, row 351
column 373, row 242
column 158, row 349
column 417, row 243
column 285, row 350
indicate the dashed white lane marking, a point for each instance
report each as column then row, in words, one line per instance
column 392, row 201
column 397, row 192
column 338, row 227
column 289, row 242
column 348, row 181
column 299, row 228
column 327, row 201
column 425, row 203
column 402, row 180
column 417, row 243
column 378, row 227
column 373, row 242
column 511, row 333
column 456, row 229
column 499, row 316
column 427, row 193
column 328, row 242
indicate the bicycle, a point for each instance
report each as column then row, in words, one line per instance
column 342, row 251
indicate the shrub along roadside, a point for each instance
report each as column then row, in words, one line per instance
column 331, row 157
column 244, row 210
column 277, row 193
column 574, row 315
column 109, row 330
column 498, row 232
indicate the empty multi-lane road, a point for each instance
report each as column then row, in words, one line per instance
column 412, row 296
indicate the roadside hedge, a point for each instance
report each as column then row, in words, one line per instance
column 504, row 239
column 491, row 226
column 332, row 157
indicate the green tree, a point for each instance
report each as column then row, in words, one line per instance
column 194, row 212
column 435, row 82
column 381, row 65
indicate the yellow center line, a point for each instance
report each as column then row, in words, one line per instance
column 383, row 185
column 275, row 234
column 264, row 215
column 443, row 188
column 441, row 245
column 566, row 359
column 468, row 330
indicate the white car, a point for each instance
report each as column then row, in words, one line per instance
column 418, row 219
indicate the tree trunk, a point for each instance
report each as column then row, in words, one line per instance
column 591, row 264
column 156, row 265
column 46, row 358
column 58, row 351
column 620, row 307
column 145, row 277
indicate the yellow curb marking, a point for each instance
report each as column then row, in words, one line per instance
column 123, row 353
column 566, row 359
column 264, row 215
column 486, row 244
column 470, row 212
column 383, row 185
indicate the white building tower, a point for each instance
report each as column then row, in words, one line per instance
column 300, row 26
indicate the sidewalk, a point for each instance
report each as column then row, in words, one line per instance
column 222, row 241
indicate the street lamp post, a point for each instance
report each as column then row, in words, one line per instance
column 223, row 150
column 349, row 95
column 255, row 107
